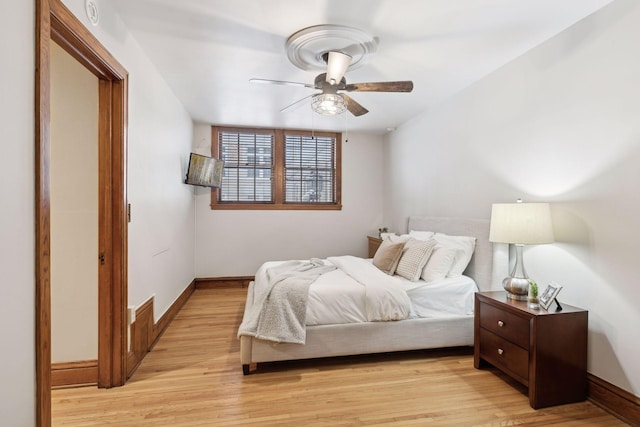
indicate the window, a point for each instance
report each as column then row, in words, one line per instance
column 309, row 165
column 248, row 164
column 277, row 169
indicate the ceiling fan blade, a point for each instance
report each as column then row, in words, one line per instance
column 353, row 107
column 402, row 86
column 337, row 64
column 281, row 82
column 296, row 104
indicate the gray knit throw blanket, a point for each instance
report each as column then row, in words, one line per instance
column 280, row 314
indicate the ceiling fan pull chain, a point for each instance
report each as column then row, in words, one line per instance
column 313, row 126
column 346, row 127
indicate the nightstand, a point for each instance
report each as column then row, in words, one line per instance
column 374, row 244
column 544, row 350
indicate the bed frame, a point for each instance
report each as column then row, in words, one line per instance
column 487, row 267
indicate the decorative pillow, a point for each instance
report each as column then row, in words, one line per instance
column 421, row 235
column 387, row 256
column 464, row 246
column 415, row 255
column 439, row 264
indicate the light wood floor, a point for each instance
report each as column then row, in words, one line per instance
column 193, row 378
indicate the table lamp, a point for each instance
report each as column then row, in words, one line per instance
column 520, row 224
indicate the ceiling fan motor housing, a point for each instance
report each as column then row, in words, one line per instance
column 326, row 87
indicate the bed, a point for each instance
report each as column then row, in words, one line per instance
column 486, row 268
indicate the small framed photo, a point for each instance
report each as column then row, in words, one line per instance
column 549, row 295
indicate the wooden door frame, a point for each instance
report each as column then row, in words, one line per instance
column 55, row 22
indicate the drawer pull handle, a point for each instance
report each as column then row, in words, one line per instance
column 500, row 351
column 500, row 323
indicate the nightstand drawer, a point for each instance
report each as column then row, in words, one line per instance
column 503, row 354
column 513, row 328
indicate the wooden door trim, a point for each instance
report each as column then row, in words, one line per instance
column 55, row 22
column 80, row 43
column 42, row 216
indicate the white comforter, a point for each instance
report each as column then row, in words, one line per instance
column 356, row 291
column 334, row 297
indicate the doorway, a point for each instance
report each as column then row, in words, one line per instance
column 73, row 172
column 55, row 22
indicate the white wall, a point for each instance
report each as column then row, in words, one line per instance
column 559, row 124
column 236, row 242
column 17, row 233
column 160, row 136
column 162, row 228
column 74, row 209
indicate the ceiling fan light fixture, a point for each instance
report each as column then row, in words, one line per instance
column 328, row 104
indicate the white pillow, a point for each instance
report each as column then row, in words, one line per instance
column 421, row 235
column 439, row 264
column 464, row 246
column 395, row 238
column 415, row 255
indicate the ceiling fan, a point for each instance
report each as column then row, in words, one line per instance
column 332, row 100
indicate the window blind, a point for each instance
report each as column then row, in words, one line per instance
column 310, row 164
column 248, row 166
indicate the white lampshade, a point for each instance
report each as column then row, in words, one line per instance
column 521, row 223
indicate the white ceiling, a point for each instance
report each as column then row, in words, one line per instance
column 207, row 50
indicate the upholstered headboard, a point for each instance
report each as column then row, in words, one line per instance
column 490, row 261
